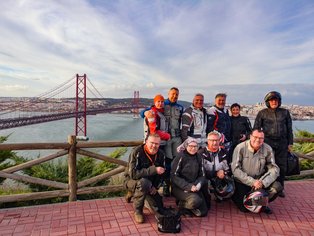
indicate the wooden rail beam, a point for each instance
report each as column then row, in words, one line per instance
column 109, row 144
column 34, row 180
column 101, row 157
column 33, row 146
column 100, row 177
column 34, row 162
column 33, row 196
column 303, row 140
column 308, row 156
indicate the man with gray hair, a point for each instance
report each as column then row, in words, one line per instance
column 219, row 119
column 194, row 121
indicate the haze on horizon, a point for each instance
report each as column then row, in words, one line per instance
column 243, row 48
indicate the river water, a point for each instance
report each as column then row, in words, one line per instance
column 101, row 127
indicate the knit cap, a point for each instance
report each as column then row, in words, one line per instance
column 158, row 97
column 184, row 145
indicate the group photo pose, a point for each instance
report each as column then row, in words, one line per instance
column 198, row 154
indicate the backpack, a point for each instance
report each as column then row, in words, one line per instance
column 168, row 220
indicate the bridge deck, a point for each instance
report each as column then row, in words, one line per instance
column 293, row 215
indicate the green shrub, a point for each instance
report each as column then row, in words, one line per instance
column 5, row 157
column 58, row 170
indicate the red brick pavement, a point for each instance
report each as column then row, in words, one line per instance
column 293, row 215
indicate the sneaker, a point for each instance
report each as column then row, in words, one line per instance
column 267, row 210
column 139, row 217
column 282, row 194
column 128, row 196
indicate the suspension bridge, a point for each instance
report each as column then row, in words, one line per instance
column 50, row 106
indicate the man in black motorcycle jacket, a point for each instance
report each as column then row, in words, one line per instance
column 276, row 123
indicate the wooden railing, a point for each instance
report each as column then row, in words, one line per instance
column 71, row 149
column 72, row 188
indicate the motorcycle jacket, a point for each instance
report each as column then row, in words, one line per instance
column 276, row 124
column 219, row 119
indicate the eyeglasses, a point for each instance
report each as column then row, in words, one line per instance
column 259, row 138
column 152, row 143
column 214, row 140
column 192, row 146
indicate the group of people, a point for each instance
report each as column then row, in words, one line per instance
column 193, row 152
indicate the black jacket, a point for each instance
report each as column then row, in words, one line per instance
column 240, row 125
column 142, row 166
column 276, row 124
column 187, row 170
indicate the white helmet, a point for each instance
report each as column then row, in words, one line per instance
column 255, row 200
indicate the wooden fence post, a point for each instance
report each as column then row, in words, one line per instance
column 72, row 168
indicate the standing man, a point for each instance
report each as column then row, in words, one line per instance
column 143, row 176
column 219, row 119
column 173, row 114
column 254, row 168
column 194, row 121
column 276, row 123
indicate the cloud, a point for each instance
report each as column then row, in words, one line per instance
column 151, row 46
column 15, row 87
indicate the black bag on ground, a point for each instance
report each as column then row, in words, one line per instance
column 293, row 166
column 168, row 220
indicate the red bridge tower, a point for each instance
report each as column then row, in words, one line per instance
column 80, row 118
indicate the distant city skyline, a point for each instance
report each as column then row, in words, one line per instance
column 242, row 48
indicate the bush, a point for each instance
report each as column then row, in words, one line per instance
column 57, row 170
column 5, row 157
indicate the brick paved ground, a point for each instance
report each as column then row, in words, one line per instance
column 293, row 215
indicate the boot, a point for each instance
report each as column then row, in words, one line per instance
column 282, row 194
column 166, row 188
column 267, row 210
column 139, row 217
column 128, row 196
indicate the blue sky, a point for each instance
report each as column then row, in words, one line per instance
column 244, row 48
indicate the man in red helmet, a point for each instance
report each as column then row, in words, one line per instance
column 276, row 123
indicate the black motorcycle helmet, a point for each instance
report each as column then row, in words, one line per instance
column 223, row 188
column 271, row 95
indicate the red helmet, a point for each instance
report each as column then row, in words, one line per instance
column 255, row 200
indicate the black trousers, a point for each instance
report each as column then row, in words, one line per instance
column 241, row 190
column 280, row 149
column 190, row 200
column 141, row 191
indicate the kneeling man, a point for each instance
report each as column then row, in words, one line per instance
column 253, row 166
column 144, row 176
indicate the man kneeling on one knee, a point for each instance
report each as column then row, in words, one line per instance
column 253, row 166
column 144, row 176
